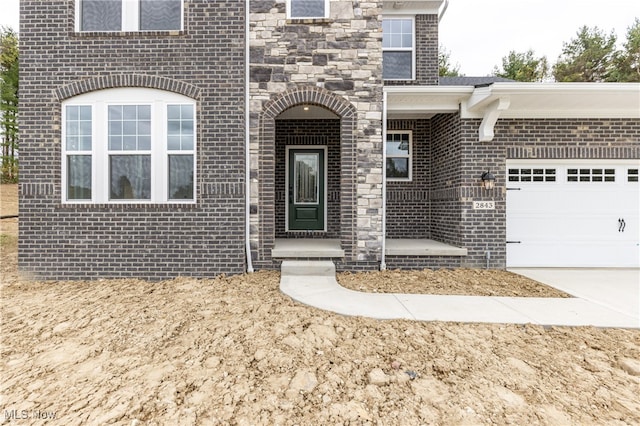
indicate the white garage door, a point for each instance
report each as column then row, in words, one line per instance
column 573, row 213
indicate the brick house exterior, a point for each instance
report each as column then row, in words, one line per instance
column 263, row 89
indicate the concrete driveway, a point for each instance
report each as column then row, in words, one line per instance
column 617, row 289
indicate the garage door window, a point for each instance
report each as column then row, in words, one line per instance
column 591, row 175
column 532, row 175
column 632, row 175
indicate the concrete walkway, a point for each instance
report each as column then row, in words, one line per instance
column 603, row 298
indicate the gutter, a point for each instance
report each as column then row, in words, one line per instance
column 383, row 264
column 247, row 149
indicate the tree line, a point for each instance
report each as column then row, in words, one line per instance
column 589, row 57
column 9, row 104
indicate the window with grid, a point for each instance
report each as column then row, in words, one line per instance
column 129, row 15
column 397, row 49
column 79, row 150
column 129, row 152
column 300, row 9
column 398, row 150
column 129, row 145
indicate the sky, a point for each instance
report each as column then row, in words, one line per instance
column 479, row 33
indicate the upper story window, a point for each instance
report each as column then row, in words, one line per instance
column 301, row 9
column 397, row 49
column 129, row 15
column 128, row 145
column 399, row 151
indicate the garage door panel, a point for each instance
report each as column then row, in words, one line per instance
column 564, row 223
column 584, row 254
column 565, row 200
column 592, row 227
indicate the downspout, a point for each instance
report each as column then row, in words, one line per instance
column 247, row 142
column 444, row 9
column 383, row 264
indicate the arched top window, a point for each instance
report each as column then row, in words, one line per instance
column 129, row 145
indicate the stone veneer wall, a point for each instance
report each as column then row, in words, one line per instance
column 155, row 241
column 335, row 63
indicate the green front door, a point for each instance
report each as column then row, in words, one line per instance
column 306, row 191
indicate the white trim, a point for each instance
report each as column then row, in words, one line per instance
column 286, row 185
column 247, row 137
column 326, row 11
column 100, row 101
column 404, row 49
column 491, row 115
column 383, row 263
column 415, row 7
column 65, row 154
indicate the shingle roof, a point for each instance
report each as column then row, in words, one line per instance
column 472, row 81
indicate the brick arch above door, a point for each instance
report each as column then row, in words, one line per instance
column 309, row 95
column 347, row 113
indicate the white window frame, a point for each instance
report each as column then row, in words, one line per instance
column 412, row 49
column 326, row 11
column 409, row 155
column 100, row 178
column 75, row 152
column 130, row 17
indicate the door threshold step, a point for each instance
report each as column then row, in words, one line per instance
column 308, row 268
column 304, row 248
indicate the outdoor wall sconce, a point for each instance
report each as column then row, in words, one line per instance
column 488, row 180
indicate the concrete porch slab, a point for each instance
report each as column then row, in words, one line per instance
column 302, row 248
column 421, row 247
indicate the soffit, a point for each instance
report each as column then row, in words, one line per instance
column 557, row 100
column 415, row 7
column 519, row 100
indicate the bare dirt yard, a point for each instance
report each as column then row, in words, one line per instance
column 234, row 350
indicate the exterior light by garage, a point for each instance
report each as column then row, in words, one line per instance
column 488, row 180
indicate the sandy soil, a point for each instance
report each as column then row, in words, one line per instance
column 473, row 282
column 234, row 350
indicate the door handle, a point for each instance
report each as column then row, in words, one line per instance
column 290, row 194
column 621, row 225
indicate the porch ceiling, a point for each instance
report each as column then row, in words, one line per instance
column 425, row 102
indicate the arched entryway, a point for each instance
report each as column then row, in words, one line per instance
column 300, row 130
